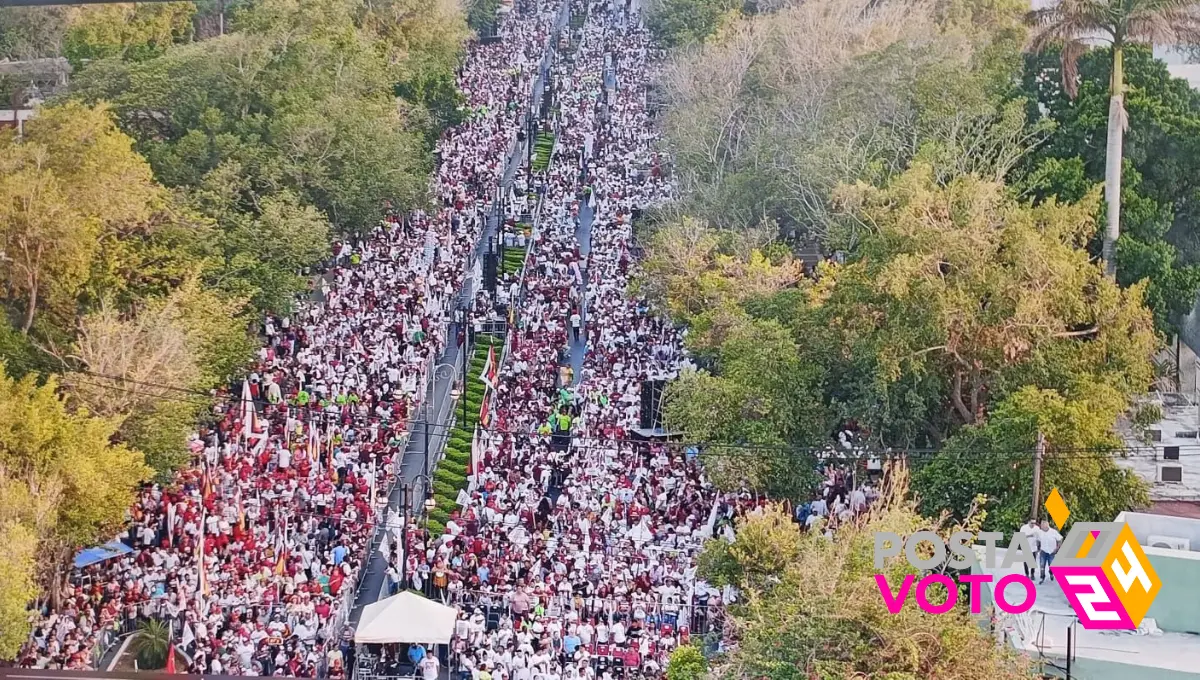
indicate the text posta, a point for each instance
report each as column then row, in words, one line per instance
column 958, row 553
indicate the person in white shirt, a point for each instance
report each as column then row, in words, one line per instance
column 1048, row 540
column 429, row 666
column 1030, row 531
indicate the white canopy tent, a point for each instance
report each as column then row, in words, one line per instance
column 406, row 617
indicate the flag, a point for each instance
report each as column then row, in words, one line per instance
column 200, row 568
column 281, row 553
column 170, row 660
column 241, row 512
column 314, row 445
column 373, row 474
column 171, row 521
column 485, row 413
column 253, row 433
column 476, row 453
column 333, row 476
column 488, row 376
column 187, row 637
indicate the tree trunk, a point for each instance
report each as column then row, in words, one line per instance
column 1112, row 162
column 30, row 309
column 957, row 399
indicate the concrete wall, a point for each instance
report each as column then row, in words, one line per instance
column 1177, row 607
column 1095, row 669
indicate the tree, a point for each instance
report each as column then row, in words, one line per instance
column 127, row 31
column 66, row 461
column 18, row 586
column 762, row 392
column 1161, row 169
column 677, row 23
column 810, row 606
column 956, row 297
column 763, row 129
column 1070, row 24
column 148, row 368
column 983, row 294
column 68, row 186
column 996, row 459
column 33, row 32
column 152, row 644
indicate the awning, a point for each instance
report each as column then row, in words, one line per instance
column 90, row 556
column 406, row 617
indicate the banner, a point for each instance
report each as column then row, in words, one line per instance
column 490, row 369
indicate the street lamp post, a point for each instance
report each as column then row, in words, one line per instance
column 462, row 319
column 408, row 490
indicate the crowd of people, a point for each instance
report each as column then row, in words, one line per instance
column 578, row 561
column 572, row 552
column 252, row 553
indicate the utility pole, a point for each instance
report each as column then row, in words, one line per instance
column 1039, row 451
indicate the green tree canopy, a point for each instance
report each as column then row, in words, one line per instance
column 63, row 480
column 994, row 459
column 1159, row 212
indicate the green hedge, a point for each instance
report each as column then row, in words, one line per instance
column 445, row 474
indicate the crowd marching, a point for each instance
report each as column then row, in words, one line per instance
column 577, row 561
column 569, row 556
column 252, row 553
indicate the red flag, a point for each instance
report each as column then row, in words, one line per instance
column 170, row 660
column 490, row 369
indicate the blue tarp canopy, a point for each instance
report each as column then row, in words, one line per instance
column 90, row 556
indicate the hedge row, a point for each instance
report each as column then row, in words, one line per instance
column 451, row 473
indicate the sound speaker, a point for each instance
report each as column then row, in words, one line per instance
column 651, row 412
column 489, row 271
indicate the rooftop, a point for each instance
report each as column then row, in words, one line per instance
column 1178, row 427
column 1043, row 629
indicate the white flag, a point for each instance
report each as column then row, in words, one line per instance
column 188, row 636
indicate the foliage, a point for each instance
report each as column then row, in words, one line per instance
column 70, row 189
column 1159, row 213
column 995, row 459
column 481, row 14
column 812, row 608
column 691, row 269
column 135, row 31
column 17, row 583
column 33, row 32
column 983, row 293
column 676, row 23
column 762, row 129
column 61, row 477
column 686, row 663
column 152, row 644
column 957, row 297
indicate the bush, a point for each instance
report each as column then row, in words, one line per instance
column 686, row 663
column 449, row 476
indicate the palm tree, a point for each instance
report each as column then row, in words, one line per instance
column 152, row 644
column 1072, row 24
